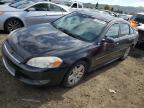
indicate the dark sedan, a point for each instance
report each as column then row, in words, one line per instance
column 63, row 51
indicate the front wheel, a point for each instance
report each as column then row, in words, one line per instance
column 12, row 24
column 75, row 74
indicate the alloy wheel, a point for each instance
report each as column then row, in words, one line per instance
column 76, row 74
column 13, row 24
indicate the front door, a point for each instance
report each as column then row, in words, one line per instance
column 37, row 14
column 108, row 51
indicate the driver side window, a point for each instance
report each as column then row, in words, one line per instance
column 113, row 31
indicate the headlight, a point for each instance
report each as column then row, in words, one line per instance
column 45, row 62
column 1, row 13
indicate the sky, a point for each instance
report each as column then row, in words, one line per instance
column 134, row 3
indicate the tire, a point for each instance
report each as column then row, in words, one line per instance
column 12, row 24
column 73, row 78
column 126, row 53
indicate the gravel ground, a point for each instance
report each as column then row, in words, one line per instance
column 118, row 85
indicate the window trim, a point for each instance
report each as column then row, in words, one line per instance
column 61, row 9
column 132, row 30
column 122, row 35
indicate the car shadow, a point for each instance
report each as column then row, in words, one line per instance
column 19, row 94
column 138, row 52
column 101, row 70
column 3, row 32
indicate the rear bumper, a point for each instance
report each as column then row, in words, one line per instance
column 33, row 76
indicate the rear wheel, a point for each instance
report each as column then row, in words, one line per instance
column 75, row 74
column 13, row 24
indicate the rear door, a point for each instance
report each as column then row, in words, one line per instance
column 55, row 12
column 126, row 37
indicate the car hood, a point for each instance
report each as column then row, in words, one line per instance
column 43, row 39
column 7, row 8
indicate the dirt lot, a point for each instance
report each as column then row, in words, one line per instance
column 119, row 85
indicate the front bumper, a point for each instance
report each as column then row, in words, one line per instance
column 32, row 76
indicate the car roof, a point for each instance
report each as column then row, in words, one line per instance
column 99, row 15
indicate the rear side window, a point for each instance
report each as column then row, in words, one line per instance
column 113, row 32
column 41, row 7
column 74, row 5
column 124, row 29
column 55, row 8
column 79, row 6
column 131, row 31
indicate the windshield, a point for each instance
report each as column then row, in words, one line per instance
column 80, row 26
column 138, row 18
column 21, row 4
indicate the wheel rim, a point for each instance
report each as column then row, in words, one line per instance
column 12, row 25
column 127, row 52
column 76, row 74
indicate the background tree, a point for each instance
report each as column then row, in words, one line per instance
column 112, row 9
column 107, row 7
column 97, row 5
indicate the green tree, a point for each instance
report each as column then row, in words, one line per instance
column 107, row 7
column 97, row 5
column 112, row 9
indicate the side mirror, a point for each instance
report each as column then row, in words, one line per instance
column 108, row 40
column 31, row 9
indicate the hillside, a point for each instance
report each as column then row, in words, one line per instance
column 125, row 9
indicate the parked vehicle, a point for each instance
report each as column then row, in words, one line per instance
column 29, row 12
column 111, row 13
column 69, row 3
column 64, row 50
column 137, row 21
column 2, row 2
column 125, row 16
column 74, row 4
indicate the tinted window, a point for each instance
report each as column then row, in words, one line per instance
column 124, row 29
column 41, row 7
column 55, row 8
column 113, row 31
column 74, row 5
column 80, row 26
